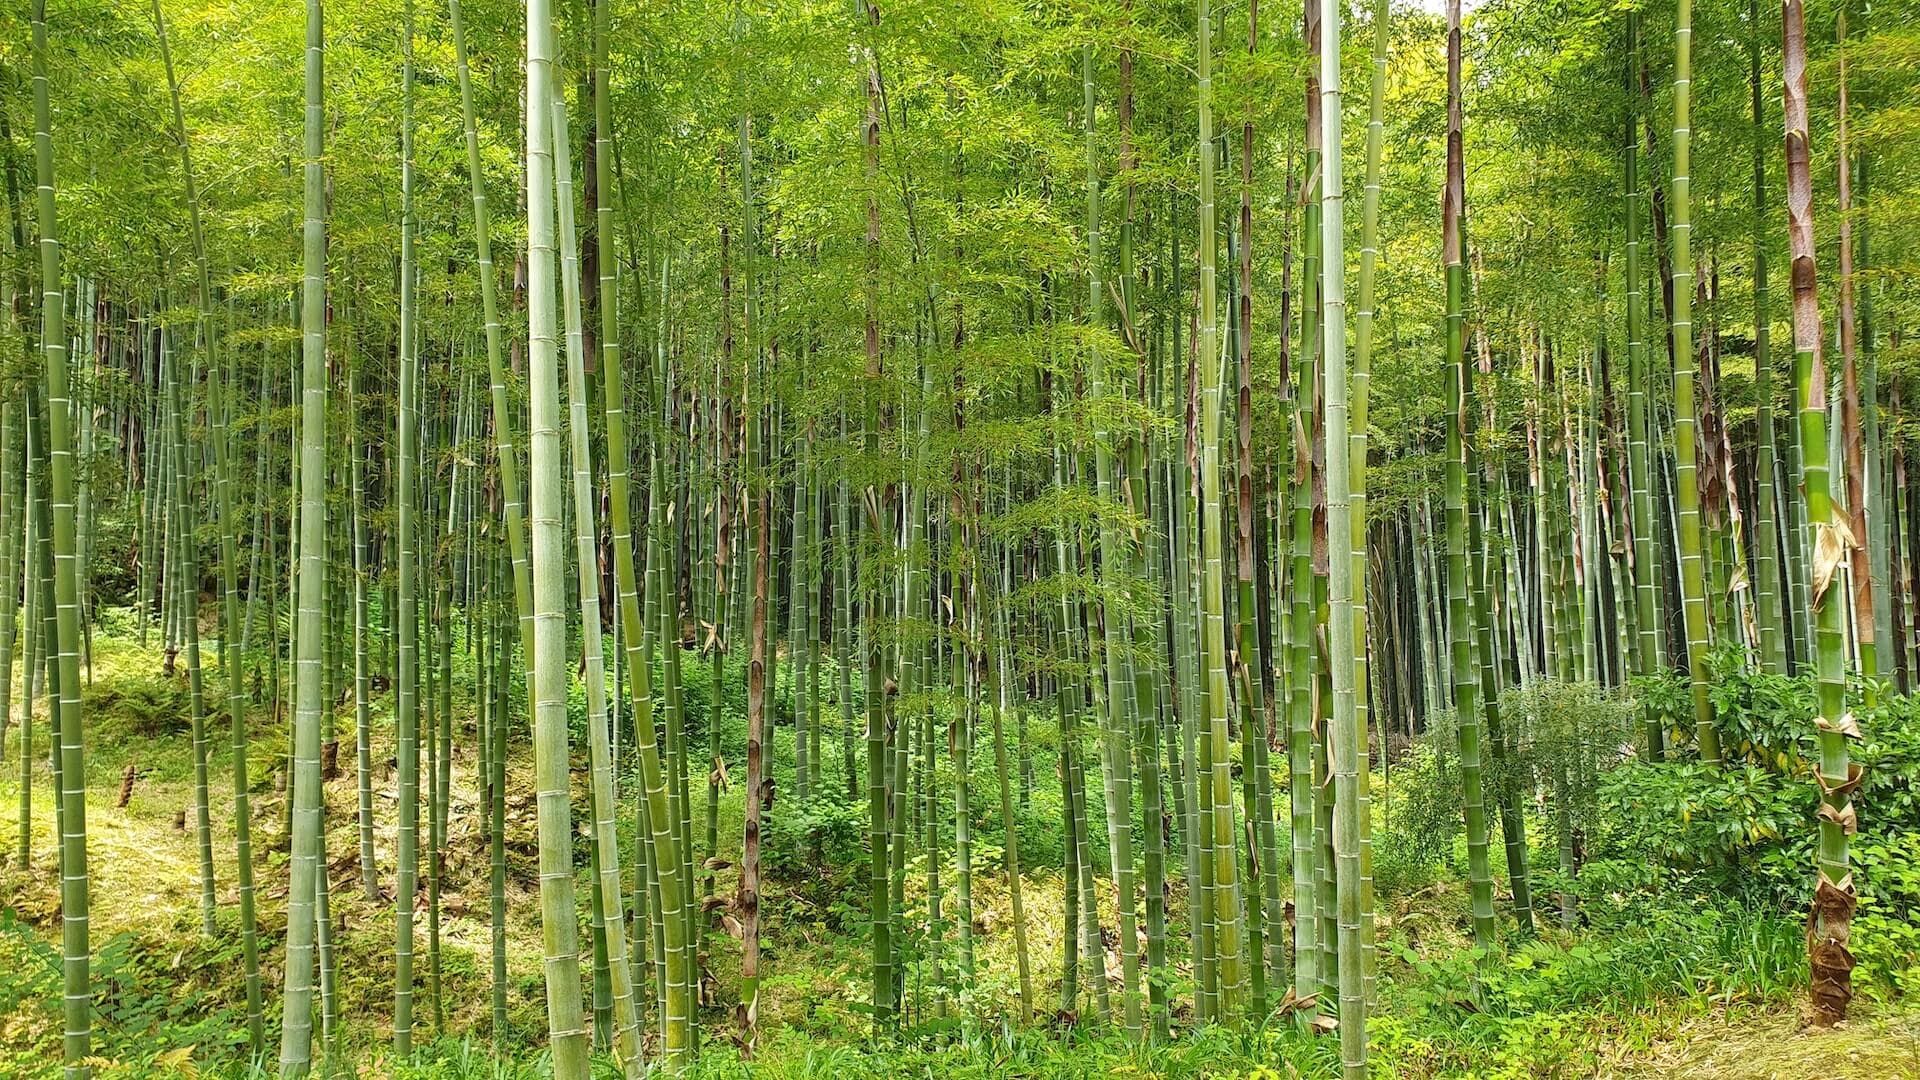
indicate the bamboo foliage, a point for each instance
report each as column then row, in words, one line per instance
column 1015, row 516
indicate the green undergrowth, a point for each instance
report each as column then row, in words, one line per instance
column 1659, row 973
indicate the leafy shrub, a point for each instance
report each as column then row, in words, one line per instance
column 1696, row 817
column 825, row 838
column 1887, row 952
column 1747, row 829
column 1401, row 864
column 1420, row 811
column 1665, row 696
column 1763, row 718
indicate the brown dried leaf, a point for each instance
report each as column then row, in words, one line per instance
column 1289, row 1003
column 1831, row 543
column 1737, row 581
column 1829, row 926
column 1845, row 817
column 1855, row 773
column 1846, row 725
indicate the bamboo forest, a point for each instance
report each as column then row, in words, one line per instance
column 959, row 538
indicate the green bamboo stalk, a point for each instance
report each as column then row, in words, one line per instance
column 1091, row 948
column 1485, row 564
column 497, row 818
column 649, row 944
column 804, row 750
column 998, row 672
column 1831, row 914
column 1226, row 918
column 1308, row 946
column 1116, row 756
column 440, row 780
column 1362, row 378
column 11, row 525
column 1686, row 483
column 722, row 556
column 1326, row 877
column 911, row 605
column 73, row 792
column 1145, row 555
column 296, row 1036
column 237, row 716
column 969, row 677
column 662, row 865
column 1878, row 538
column 256, row 529
column 910, row 660
column 1346, row 742
column 1461, row 618
column 30, row 661
column 1853, row 448
column 506, row 461
column 1070, row 907
column 1639, row 480
column 1773, row 638
column 561, row 955
column 1879, row 532
column 626, row 1035
column 841, row 630
column 83, row 497
column 187, row 578
column 16, row 537
column 885, row 1001
column 679, row 802
column 362, row 683
column 1182, row 624
column 406, row 504
column 814, row 599
column 329, row 964
column 46, row 624
column 506, row 455
column 759, row 658
column 149, row 501
column 1250, row 651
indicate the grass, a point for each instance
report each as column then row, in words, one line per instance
column 1665, row 992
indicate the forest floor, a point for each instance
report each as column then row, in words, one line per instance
column 169, row 995
column 1778, row 1045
